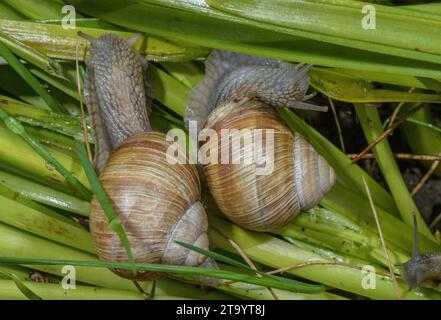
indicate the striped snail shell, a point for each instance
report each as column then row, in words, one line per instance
column 239, row 92
column 157, row 202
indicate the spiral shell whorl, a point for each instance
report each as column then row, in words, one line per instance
column 313, row 175
column 157, row 202
column 299, row 178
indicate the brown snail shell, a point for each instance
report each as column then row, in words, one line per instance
column 157, row 203
column 239, row 91
column 299, row 179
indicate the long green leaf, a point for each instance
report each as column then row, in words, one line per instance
column 397, row 32
column 215, row 273
column 101, row 195
column 16, row 127
column 20, row 285
column 194, row 22
column 56, row 42
column 355, row 89
column 370, row 122
column 29, row 78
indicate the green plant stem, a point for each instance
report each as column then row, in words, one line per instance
column 6, row 12
column 194, row 22
column 29, row 78
column 14, row 242
column 31, row 55
column 328, row 229
column 60, row 123
column 15, row 127
column 44, row 195
column 49, row 291
column 395, row 231
column 277, row 253
column 421, row 139
column 37, row 219
column 372, row 127
column 56, row 42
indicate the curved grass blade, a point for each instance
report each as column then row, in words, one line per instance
column 397, row 32
column 33, row 56
column 16, row 127
column 29, row 78
column 44, row 195
column 390, row 78
column 56, row 42
column 184, row 270
column 20, row 285
column 232, row 262
column 355, row 89
column 29, row 114
column 194, row 22
column 101, row 195
column 422, row 140
column 372, row 127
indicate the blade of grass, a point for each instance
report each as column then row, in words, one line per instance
column 28, row 293
column 356, row 89
column 398, row 32
column 372, row 127
column 400, row 80
column 419, row 138
column 235, row 263
column 44, row 195
column 101, row 195
column 277, row 253
column 6, row 12
column 14, row 242
column 33, row 56
column 56, row 42
column 29, row 78
column 61, row 123
column 16, row 127
column 194, row 22
column 358, row 210
column 215, row 273
column 32, row 217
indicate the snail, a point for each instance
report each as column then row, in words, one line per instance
column 157, row 202
column 239, row 92
column 421, row 268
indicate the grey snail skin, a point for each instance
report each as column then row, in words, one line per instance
column 240, row 92
column 157, row 202
column 422, row 268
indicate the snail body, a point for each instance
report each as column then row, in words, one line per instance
column 239, row 92
column 157, row 202
column 421, row 268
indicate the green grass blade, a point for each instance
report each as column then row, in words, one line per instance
column 44, row 195
column 194, row 22
column 398, row 32
column 355, row 89
column 56, row 42
column 400, row 80
column 29, row 78
column 21, row 286
column 101, row 195
column 215, row 273
column 16, row 127
column 60, row 123
column 420, row 139
column 33, row 56
column 232, row 262
column 372, row 127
